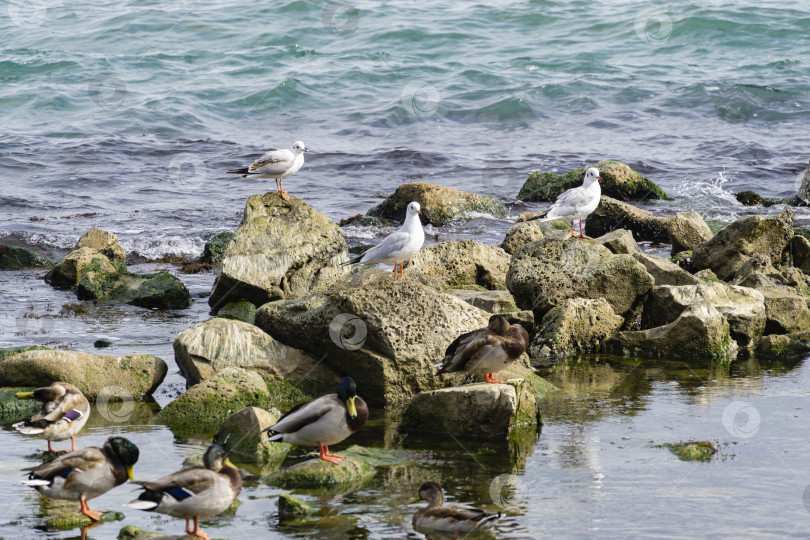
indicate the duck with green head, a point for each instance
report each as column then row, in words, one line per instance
column 323, row 421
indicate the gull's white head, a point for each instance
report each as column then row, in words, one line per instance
column 413, row 209
column 591, row 176
column 298, row 147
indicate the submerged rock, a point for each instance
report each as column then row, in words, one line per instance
column 580, row 325
column 700, row 331
column 358, row 467
column 522, row 232
column 693, row 450
column 463, row 263
column 66, row 522
column 489, row 301
column 137, row 375
column 214, row 249
column 13, row 409
column 776, row 347
column 732, row 246
column 291, row 508
column 479, row 411
column 383, row 332
column 440, row 204
column 17, row 258
column 618, row 180
column 211, row 346
column 131, row 532
column 243, row 434
column 282, row 249
column 545, row 273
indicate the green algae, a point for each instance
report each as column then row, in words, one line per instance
column 16, row 258
column 291, row 508
column 692, row 450
column 72, row 521
column 240, row 311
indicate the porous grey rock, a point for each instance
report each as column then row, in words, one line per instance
column 489, row 301
column 664, row 271
column 243, row 433
column 686, row 230
column 580, row 325
column 463, row 263
column 522, row 232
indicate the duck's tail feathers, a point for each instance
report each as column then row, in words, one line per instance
column 138, row 504
column 489, row 520
column 273, row 436
column 36, row 482
column 28, row 430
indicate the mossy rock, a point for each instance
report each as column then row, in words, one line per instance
column 73, row 521
column 215, row 248
column 781, row 346
column 291, row 508
column 749, row 198
column 17, row 258
column 692, row 450
column 618, row 181
column 131, row 532
column 13, row 409
column 356, row 469
column 160, row 290
column 11, row 351
column 244, row 434
column 239, row 311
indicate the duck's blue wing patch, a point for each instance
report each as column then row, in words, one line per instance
column 179, row 494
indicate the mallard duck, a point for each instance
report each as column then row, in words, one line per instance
column 85, row 474
column 323, row 421
column 64, row 413
column 194, row 492
column 449, row 517
column 486, row 350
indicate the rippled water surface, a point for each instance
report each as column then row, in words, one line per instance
column 124, row 115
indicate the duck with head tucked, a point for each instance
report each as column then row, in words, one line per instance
column 63, row 414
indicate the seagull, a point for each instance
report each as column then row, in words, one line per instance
column 399, row 246
column 276, row 164
column 576, row 203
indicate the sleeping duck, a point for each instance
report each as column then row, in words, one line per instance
column 486, row 350
column 449, row 517
column 323, row 421
column 64, row 413
column 85, row 474
column 194, row 492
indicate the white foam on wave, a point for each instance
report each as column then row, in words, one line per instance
column 155, row 247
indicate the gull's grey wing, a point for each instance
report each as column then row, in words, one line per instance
column 389, row 247
column 569, row 202
column 273, row 162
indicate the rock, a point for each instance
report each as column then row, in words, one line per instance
column 282, row 249
column 239, row 311
column 684, row 260
column 524, row 318
column 802, row 196
column 105, row 243
column 136, row 375
column 161, row 290
column 489, row 301
column 13, row 409
column 700, row 331
column 440, row 204
column 209, row 347
column 800, row 253
column 707, row 276
column 478, row 411
column 463, row 263
column 131, row 532
column 357, row 468
column 786, row 312
column 214, row 249
column 620, row 242
column 686, row 230
column 692, row 451
column 612, row 214
column 522, row 232
column 665, row 272
column 578, row 326
column 749, row 198
column 618, row 180
column 17, row 258
column 244, row 436
column 545, row 273
column 731, row 247
column 66, row 522
column 68, row 272
column 291, row 508
column 758, row 272
column 383, row 332
column 205, row 405
column 782, row 346
column 743, row 308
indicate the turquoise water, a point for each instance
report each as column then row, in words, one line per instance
column 125, row 115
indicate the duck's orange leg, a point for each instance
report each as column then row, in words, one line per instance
column 323, row 450
column 199, row 533
column 92, row 514
column 489, row 378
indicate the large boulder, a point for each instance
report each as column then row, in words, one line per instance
column 580, row 325
column 618, row 180
column 522, row 232
column 479, row 411
column 135, row 376
column 545, row 273
column 800, row 253
column 664, row 271
column 700, row 331
column 439, row 204
column 69, row 271
column 282, row 249
column 214, row 248
column 105, row 243
column 384, row 332
column 243, row 433
column 463, row 263
column 743, row 308
column 732, row 246
column 785, row 311
column 17, row 258
column 216, row 344
column 686, row 230
column 612, row 214
column 780, row 347
column 620, row 242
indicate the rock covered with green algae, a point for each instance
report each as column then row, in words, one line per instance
column 479, row 411
column 618, row 181
column 781, row 346
column 205, row 405
column 439, row 204
column 281, row 249
column 465, row 262
column 243, row 432
column 579, row 325
column 358, row 467
column 131, row 532
column 17, row 258
column 692, row 450
column 72, row 521
column 214, row 249
column 13, row 409
column 137, row 374
column 291, row 508
column 239, row 311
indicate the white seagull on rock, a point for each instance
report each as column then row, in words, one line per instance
column 576, row 203
column 276, row 164
column 399, row 246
